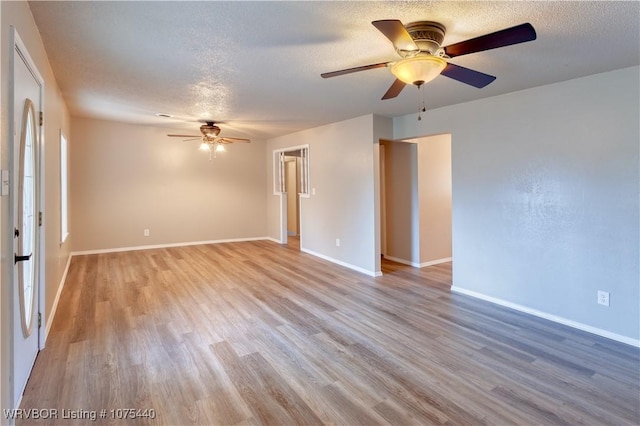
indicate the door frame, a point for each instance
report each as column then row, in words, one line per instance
column 19, row 48
column 282, row 234
column 296, row 182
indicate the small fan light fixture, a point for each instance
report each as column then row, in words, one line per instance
column 217, row 147
column 419, row 69
column 212, row 146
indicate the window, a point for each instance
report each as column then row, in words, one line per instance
column 64, row 186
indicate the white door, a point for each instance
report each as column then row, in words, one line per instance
column 25, row 196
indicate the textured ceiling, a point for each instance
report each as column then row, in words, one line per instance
column 256, row 65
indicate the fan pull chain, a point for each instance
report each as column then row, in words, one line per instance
column 210, row 154
column 423, row 109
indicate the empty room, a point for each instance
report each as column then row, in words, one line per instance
column 320, row 212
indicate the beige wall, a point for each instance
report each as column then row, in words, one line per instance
column 292, row 195
column 126, row 178
column 56, row 116
column 342, row 170
column 401, row 196
column 418, row 200
column 434, row 197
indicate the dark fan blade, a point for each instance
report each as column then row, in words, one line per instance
column 394, row 90
column 468, row 76
column 231, row 140
column 514, row 35
column 184, row 136
column 397, row 33
column 356, row 69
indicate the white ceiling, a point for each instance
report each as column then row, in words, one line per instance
column 256, row 65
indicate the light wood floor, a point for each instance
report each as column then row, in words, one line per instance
column 258, row 333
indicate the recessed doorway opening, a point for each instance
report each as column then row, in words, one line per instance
column 415, row 200
column 291, row 182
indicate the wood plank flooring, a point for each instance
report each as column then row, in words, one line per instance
column 258, row 333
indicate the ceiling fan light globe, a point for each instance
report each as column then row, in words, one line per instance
column 205, row 147
column 418, row 69
column 220, row 148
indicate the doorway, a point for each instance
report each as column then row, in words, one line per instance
column 292, row 162
column 416, row 200
column 25, row 211
column 291, row 182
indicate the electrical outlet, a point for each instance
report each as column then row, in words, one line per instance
column 603, row 298
column 337, row 242
column 146, row 233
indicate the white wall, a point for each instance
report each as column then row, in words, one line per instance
column 546, row 197
column 56, row 117
column 434, row 198
column 126, row 178
column 342, row 172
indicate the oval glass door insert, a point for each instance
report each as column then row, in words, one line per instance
column 25, row 259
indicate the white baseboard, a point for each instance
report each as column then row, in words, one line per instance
column 341, row 263
column 418, row 265
column 550, row 317
column 399, row 260
column 275, row 240
column 435, row 262
column 157, row 246
column 49, row 320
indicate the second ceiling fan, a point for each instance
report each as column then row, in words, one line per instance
column 423, row 59
column 209, row 136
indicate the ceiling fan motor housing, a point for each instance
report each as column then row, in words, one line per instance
column 210, row 130
column 427, row 35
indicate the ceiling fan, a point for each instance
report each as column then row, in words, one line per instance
column 210, row 140
column 422, row 58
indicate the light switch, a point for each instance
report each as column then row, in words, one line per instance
column 5, row 182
